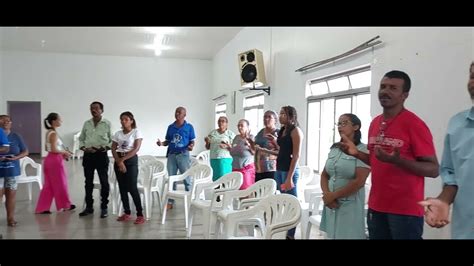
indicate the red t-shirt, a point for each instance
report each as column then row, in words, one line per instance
column 395, row 190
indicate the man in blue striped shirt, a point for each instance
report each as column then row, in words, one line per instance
column 457, row 171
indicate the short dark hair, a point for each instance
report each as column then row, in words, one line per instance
column 100, row 104
column 397, row 74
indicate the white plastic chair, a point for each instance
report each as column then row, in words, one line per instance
column 212, row 201
column 242, row 199
column 151, row 180
column 37, row 177
column 152, row 176
column 204, row 157
column 308, row 183
column 367, row 187
column 76, row 152
column 198, row 175
column 273, row 214
column 143, row 159
column 193, row 161
column 312, row 216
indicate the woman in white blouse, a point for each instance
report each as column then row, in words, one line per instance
column 125, row 145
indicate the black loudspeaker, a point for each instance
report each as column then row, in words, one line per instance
column 252, row 72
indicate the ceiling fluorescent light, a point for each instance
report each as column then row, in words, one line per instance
column 160, row 30
column 157, row 43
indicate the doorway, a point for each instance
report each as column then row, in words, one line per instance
column 26, row 118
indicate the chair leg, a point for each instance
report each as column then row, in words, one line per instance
column 206, row 223
column 308, row 230
column 29, row 191
column 158, row 198
column 186, row 212
column 114, row 200
column 164, row 211
column 147, row 204
column 304, row 222
column 191, row 216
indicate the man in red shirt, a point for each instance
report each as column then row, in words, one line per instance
column 401, row 154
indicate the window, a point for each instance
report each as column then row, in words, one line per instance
column 220, row 111
column 328, row 98
column 253, row 112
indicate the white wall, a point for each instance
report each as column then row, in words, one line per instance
column 435, row 58
column 150, row 88
column 473, row 42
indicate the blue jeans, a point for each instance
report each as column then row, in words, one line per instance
column 383, row 225
column 181, row 162
column 8, row 182
column 280, row 178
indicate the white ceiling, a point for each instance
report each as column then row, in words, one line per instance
column 183, row 42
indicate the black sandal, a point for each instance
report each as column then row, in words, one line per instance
column 72, row 207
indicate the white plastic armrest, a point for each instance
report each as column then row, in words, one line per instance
column 174, row 178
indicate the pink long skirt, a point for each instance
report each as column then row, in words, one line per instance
column 55, row 184
column 248, row 173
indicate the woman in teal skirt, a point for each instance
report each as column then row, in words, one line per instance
column 342, row 183
column 217, row 142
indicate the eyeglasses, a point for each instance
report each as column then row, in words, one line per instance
column 342, row 124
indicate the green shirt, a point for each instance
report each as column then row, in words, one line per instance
column 96, row 136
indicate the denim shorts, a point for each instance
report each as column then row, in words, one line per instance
column 8, row 182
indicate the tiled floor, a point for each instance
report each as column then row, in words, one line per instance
column 68, row 225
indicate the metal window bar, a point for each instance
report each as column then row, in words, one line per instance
column 366, row 45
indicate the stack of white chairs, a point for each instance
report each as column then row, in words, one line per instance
column 143, row 159
column 197, row 175
column 314, row 213
column 242, row 199
column 37, row 176
column 76, row 152
column 152, row 175
column 367, row 187
column 308, row 183
column 212, row 200
column 273, row 214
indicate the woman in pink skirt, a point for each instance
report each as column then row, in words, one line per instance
column 55, row 178
column 243, row 154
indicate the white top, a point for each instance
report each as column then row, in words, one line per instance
column 59, row 143
column 125, row 141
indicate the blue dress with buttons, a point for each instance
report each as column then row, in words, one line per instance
column 347, row 221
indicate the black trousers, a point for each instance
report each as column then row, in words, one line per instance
column 128, row 184
column 96, row 161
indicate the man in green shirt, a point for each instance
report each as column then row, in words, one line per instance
column 95, row 140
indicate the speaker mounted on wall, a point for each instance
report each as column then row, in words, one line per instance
column 252, row 71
